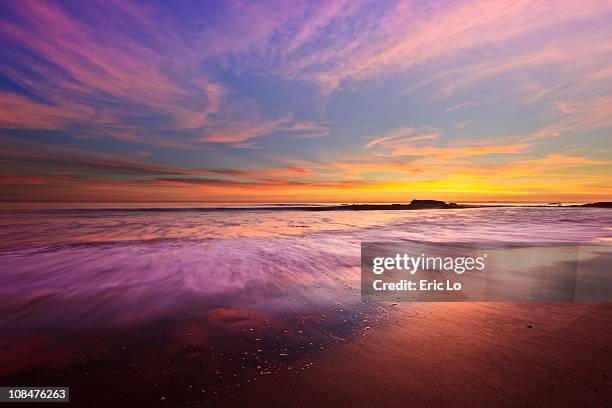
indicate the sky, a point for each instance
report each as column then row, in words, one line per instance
column 330, row 101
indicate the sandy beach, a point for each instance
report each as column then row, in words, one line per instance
column 421, row 354
column 463, row 355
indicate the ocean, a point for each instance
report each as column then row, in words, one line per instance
column 121, row 264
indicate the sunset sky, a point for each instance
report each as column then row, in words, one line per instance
column 331, row 101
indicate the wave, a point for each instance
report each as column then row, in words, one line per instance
column 93, row 268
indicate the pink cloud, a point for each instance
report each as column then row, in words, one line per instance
column 410, row 34
column 403, row 136
column 94, row 77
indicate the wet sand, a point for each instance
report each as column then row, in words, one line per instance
column 421, row 354
column 479, row 354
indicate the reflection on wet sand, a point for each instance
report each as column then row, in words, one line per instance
column 413, row 353
column 204, row 349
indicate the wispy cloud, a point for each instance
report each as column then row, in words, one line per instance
column 406, row 35
column 409, row 142
column 119, row 82
column 403, row 136
column 463, row 124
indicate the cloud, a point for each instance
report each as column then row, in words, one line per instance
column 463, row 124
column 407, row 35
column 19, row 112
column 109, row 71
column 404, row 136
column 575, row 117
column 43, row 161
column 235, row 131
column 75, row 75
column 563, row 60
column 409, row 142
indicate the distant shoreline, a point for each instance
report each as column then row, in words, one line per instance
column 413, row 205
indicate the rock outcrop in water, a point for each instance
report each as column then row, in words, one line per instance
column 432, row 204
column 414, row 205
column 601, row 204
